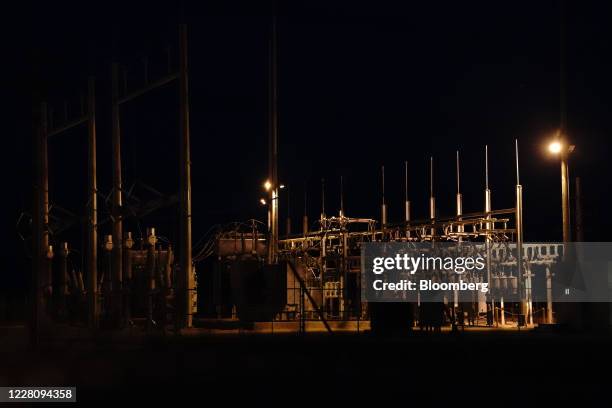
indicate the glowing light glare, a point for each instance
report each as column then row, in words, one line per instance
column 282, row 186
column 262, row 201
column 555, row 147
column 267, row 185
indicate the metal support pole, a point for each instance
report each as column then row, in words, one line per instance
column 44, row 289
column 432, row 199
column 549, row 303
column 302, row 311
column 459, row 197
column 565, row 205
column 273, row 147
column 117, row 256
column 288, row 221
column 341, row 198
column 383, row 207
column 45, row 248
column 127, row 281
column 406, row 201
column 305, row 217
column 579, row 231
column 185, row 279
column 459, row 212
column 519, row 245
column 345, row 269
column 519, row 234
column 61, row 288
column 92, row 216
column 35, row 300
column 151, row 267
column 528, row 295
column 488, row 208
column 323, row 216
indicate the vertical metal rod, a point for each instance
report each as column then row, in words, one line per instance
column 185, row 281
column 486, row 167
column 344, row 238
column 288, row 226
column 431, row 176
column 322, row 203
column 549, row 302
column 61, row 288
column 565, row 205
column 117, row 204
column 406, row 201
column 432, row 199
column 562, row 93
column 459, row 212
column 458, row 175
column 383, row 211
column 127, row 278
column 273, row 146
column 579, row 233
column 519, row 233
column 459, row 196
column 35, row 300
column 341, row 197
column 488, row 205
column 151, row 266
column 517, row 162
column 488, row 239
column 487, row 191
column 45, row 248
column 92, row 216
column 305, row 217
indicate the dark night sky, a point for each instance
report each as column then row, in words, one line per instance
column 361, row 84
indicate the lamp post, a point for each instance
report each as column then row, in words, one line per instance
column 272, row 218
column 562, row 149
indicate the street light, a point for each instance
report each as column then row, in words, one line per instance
column 555, row 147
column 271, row 186
column 561, row 149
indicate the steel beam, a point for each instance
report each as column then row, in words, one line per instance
column 92, row 216
column 69, row 125
column 185, row 277
column 153, row 85
column 273, row 147
column 117, row 203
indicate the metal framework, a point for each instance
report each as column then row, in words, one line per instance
column 324, row 261
column 120, row 259
column 42, row 249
